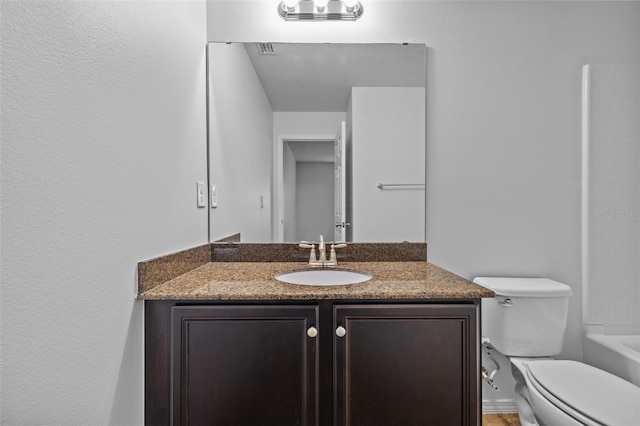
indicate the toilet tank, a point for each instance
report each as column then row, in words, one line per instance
column 528, row 316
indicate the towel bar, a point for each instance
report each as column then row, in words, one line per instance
column 400, row 185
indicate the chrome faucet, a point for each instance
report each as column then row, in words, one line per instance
column 321, row 260
column 322, row 249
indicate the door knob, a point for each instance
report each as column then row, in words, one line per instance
column 340, row 331
column 312, row 332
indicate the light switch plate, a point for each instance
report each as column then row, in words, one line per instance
column 202, row 194
column 214, row 196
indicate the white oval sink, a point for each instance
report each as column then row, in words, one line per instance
column 323, row 277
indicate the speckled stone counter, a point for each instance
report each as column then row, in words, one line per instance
column 255, row 280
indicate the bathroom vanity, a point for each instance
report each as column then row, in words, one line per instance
column 227, row 343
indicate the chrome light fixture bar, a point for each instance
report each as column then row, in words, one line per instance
column 320, row 10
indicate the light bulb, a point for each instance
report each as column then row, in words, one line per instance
column 351, row 5
column 321, row 4
column 290, row 5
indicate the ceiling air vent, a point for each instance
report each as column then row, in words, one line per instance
column 265, row 48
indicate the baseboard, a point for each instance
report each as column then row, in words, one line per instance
column 500, row 406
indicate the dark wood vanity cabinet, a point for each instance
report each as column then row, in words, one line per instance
column 258, row 364
column 406, row 365
column 236, row 365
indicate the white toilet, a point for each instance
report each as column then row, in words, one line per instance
column 526, row 322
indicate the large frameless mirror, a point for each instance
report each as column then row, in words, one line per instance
column 310, row 139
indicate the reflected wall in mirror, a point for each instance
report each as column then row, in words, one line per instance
column 301, row 136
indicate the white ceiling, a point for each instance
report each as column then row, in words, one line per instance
column 319, row 77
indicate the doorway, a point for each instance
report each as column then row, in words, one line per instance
column 307, row 188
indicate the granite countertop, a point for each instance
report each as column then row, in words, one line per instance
column 253, row 281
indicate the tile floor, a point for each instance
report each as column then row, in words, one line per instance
column 500, row 419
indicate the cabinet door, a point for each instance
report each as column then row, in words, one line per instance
column 244, row 365
column 407, row 365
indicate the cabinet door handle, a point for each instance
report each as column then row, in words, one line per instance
column 340, row 331
column 312, row 332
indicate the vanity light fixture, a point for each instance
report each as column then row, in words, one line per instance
column 320, row 10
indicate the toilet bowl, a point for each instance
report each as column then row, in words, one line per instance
column 526, row 322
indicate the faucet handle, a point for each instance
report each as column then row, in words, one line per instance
column 312, row 253
column 333, row 260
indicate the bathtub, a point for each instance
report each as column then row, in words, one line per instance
column 617, row 354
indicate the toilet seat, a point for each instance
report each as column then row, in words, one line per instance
column 587, row 394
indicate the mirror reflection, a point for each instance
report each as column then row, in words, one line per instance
column 310, row 139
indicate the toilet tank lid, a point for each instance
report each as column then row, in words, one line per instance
column 524, row 287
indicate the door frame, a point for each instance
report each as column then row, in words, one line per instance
column 278, row 176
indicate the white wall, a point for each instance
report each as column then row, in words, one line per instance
column 240, row 147
column 103, row 139
column 503, row 120
column 387, row 146
column 314, row 201
column 307, row 123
